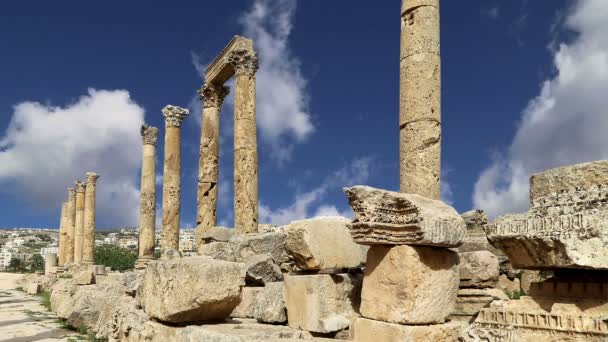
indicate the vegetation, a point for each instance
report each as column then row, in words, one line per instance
column 119, row 259
column 16, row 265
column 515, row 294
column 44, row 237
column 37, row 263
column 45, row 299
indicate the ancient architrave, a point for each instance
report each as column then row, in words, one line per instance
column 79, row 223
column 420, row 99
column 171, row 178
column 147, row 202
column 70, row 225
column 88, row 249
column 212, row 96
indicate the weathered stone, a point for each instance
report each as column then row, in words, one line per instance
column 508, row 285
column 132, row 281
column 33, row 289
column 471, row 301
column 61, row 298
column 220, row 234
column 79, row 222
column 147, row 196
column 50, row 263
column 366, row 330
column 46, row 283
column 528, row 277
column 478, row 269
column 323, row 243
column 270, row 304
column 261, row 269
column 116, row 321
column 246, row 308
column 247, row 245
column 385, row 217
column 475, row 219
column 63, row 236
column 89, row 301
column 70, row 226
column 217, row 250
column 409, row 284
column 88, row 244
column 322, row 303
column 85, row 277
column 191, row 289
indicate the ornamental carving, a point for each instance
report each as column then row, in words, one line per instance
column 71, row 194
column 91, row 178
column 149, row 134
column 80, row 186
column 213, row 94
column 174, row 115
column 244, row 62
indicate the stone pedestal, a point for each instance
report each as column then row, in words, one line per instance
column 63, row 234
column 88, row 250
column 50, row 262
column 79, row 222
column 171, row 178
column 212, row 96
column 147, row 204
column 70, row 225
column 245, row 64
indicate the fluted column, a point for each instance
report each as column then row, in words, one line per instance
column 79, row 223
column 420, row 99
column 70, row 225
column 171, row 178
column 245, row 63
column 63, row 234
column 88, row 251
column 147, row 201
column 212, row 96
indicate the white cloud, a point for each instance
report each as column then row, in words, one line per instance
column 565, row 124
column 45, row 148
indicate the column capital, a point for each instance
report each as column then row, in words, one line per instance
column 71, row 194
column 244, row 62
column 213, row 94
column 91, row 178
column 174, row 115
column 149, row 134
column 80, row 186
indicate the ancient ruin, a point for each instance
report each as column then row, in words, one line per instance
column 70, row 224
column 88, row 249
column 147, row 203
column 63, row 236
column 79, row 222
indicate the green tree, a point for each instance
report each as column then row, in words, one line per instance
column 119, row 259
column 37, row 263
column 16, row 265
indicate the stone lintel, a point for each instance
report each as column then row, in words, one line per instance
column 220, row 70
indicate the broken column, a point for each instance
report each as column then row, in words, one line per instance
column 212, row 96
column 70, row 225
column 50, row 264
column 147, row 196
column 171, row 178
column 88, row 249
column 79, row 221
column 245, row 64
column 411, row 276
column 420, row 99
column 63, row 234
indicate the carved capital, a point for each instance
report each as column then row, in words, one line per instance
column 71, row 194
column 174, row 115
column 244, row 62
column 91, row 178
column 213, row 95
column 80, row 186
column 149, row 134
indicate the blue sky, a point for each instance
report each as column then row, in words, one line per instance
column 524, row 86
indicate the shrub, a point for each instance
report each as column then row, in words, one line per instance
column 119, row 259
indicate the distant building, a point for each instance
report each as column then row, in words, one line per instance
column 48, row 250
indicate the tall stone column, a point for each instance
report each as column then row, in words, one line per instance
column 420, row 99
column 79, row 223
column 88, row 250
column 245, row 63
column 171, row 178
column 70, row 225
column 147, row 204
column 63, row 234
column 212, row 96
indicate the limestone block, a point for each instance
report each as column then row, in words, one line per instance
column 478, row 269
column 191, row 289
column 470, row 301
column 217, row 250
column 528, row 277
column 85, row 277
column 247, row 245
column 61, row 298
column 270, row 304
column 475, row 219
column 323, row 243
column 508, row 285
column 33, row 289
column 221, row 234
column 410, row 284
column 246, row 308
column 391, row 218
column 118, row 320
column 261, row 269
column 366, row 330
column 89, row 301
column 322, row 303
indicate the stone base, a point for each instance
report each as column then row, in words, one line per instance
column 471, row 301
column 366, row 330
column 141, row 264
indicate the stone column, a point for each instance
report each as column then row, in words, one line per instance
column 245, row 65
column 212, row 96
column 70, row 225
column 79, row 223
column 171, row 178
column 147, row 204
column 50, row 263
column 63, row 234
column 420, row 99
column 88, row 250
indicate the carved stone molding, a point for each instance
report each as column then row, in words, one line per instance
column 174, row 115
column 213, row 95
column 244, row 62
column 80, row 186
column 91, row 178
column 149, row 134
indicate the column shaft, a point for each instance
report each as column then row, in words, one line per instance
column 79, row 225
column 63, row 234
column 70, row 226
column 420, row 99
column 147, row 206
column 88, row 250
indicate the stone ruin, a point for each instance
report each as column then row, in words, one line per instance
column 408, row 267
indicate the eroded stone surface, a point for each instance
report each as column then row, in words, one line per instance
column 247, row 245
column 366, row 330
column 478, row 269
column 470, row 301
column 387, row 217
column 88, row 244
column 246, row 308
column 261, row 269
column 217, row 250
column 147, row 197
column 270, row 304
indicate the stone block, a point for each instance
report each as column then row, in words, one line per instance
column 33, row 289
column 391, row 218
column 322, row 303
column 470, row 301
column 366, row 330
column 217, row 250
column 323, row 243
column 270, row 304
column 261, row 269
column 191, row 289
column 85, row 277
column 246, row 308
column 508, row 285
column 478, row 269
column 246, row 245
column 218, row 234
column 410, row 284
